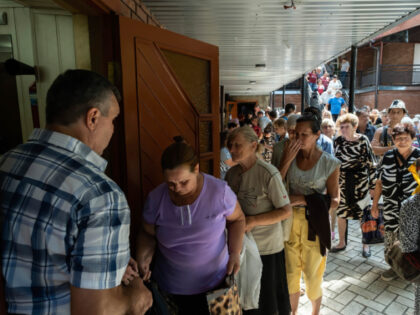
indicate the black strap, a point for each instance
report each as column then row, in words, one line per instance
column 385, row 136
column 399, row 175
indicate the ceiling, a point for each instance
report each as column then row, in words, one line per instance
column 290, row 42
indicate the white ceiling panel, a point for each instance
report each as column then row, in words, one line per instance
column 290, row 42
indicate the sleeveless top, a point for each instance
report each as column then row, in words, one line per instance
column 314, row 180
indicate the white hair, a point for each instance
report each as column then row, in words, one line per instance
column 407, row 120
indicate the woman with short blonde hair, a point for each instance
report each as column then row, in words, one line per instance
column 357, row 176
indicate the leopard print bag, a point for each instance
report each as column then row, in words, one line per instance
column 225, row 300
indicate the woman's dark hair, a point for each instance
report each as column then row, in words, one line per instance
column 74, row 92
column 400, row 129
column 177, row 154
column 232, row 124
column 313, row 116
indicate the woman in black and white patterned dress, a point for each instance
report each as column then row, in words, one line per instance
column 357, row 176
column 410, row 232
column 396, row 184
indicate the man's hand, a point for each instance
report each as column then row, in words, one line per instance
column 142, row 299
column 131, row 272
column 233, row 264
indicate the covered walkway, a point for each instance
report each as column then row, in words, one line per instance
column 352, row 284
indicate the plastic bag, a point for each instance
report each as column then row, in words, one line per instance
column 249, row 276
column 372, row 229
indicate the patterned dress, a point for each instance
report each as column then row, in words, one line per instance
column 357, row 174
column 397, row 185
column 410, row 234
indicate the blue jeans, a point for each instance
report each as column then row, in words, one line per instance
column 313, row 86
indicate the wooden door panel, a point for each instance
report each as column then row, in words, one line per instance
column 156, row 81
column 156, row 106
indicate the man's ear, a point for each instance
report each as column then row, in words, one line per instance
column 92, row 117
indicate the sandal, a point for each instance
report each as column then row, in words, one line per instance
column 337, row 249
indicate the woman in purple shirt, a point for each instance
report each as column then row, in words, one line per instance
column 184, row 222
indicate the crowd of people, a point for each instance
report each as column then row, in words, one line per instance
column 325, row 88
column 372, row 151
column 65, row 225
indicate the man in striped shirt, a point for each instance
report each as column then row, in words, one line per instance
column 64, row 223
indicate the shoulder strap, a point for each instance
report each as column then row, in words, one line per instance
column 385, row 136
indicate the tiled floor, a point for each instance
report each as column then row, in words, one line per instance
column 352, row 284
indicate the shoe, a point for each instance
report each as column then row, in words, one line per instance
column 388, row 275
column 366, row 253
column 337, row 249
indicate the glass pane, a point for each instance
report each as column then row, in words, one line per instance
column 206, row 143
column 206, row 166
column 5, row 47
column 193, row 74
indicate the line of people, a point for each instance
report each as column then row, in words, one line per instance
column 65, row 224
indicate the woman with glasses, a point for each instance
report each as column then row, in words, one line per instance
column 357, row 176
column 395, row 183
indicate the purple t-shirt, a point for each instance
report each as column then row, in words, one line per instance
column 192, row 254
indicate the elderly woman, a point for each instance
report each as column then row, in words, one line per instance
column 396, row 184
column 357, row 176
column 186, row 216
column 310, row 171
column 264, row 200
column 328, row 128
column 410, row 229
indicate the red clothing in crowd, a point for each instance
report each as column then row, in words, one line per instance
column 321, row 89
column 257, row 130
column 325, row 82
column 312, row 77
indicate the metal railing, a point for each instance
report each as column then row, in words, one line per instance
column 398, row 75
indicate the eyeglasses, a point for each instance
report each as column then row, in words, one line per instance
column 402, row 139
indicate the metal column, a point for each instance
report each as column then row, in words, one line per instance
column 284, row 95
column 302, row 93
column 353, row 75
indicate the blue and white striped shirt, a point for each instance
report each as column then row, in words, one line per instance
column 64, row 222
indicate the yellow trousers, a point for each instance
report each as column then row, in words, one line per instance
column 304, row 256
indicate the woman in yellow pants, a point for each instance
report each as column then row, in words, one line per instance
column 308, row 170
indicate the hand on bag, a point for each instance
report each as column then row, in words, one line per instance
column 131, row 272
column 374, row 211
column 233, row 264
column 250, row 224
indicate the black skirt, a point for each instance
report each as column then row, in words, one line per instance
column 274, row 294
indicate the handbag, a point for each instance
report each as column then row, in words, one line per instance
column 225, row 300
column 402, row 266
column 373, row 230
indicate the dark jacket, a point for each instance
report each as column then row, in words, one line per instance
column 317, row 214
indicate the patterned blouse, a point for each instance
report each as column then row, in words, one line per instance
column 397, row 185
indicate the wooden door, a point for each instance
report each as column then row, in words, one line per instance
column 170, row 86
